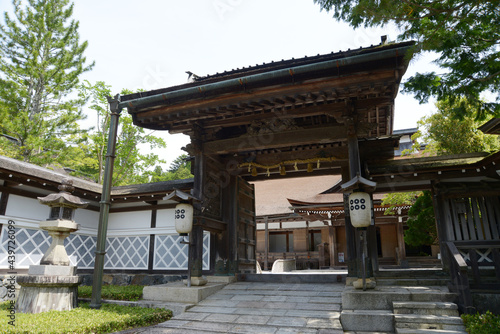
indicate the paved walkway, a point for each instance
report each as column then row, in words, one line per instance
column 255, row 307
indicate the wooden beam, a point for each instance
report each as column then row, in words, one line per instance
column 209, row 224
column 263, row 95
column 276, row 140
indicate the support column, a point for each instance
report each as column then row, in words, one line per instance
column 266, row 244
column 352, row 235
column 105, row 202
column 332, row 240
column 196, row 235
column 401, row 254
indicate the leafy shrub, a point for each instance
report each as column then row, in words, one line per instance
column 486, row 323
column 115, row 292
column 108, row 319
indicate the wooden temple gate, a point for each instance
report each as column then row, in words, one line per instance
column 321, row 115
column 327, row 114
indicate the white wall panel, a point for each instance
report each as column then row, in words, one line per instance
column 25, row 207
column 87, row 218
column 132, row 220
column 165, row 218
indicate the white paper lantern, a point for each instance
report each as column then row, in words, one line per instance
column 360, row 209
column 183, row 218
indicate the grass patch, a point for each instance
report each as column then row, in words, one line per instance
column 109, row 318
column 115, row 292
column 486, row 323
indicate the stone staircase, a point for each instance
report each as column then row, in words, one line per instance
column 427, row 317
column 253, row 307
column 420, row 303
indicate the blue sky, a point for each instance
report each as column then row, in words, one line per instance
column 150, row 44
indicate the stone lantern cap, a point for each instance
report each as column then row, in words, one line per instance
column 64, row 197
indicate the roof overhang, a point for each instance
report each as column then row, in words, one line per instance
column 313, row 85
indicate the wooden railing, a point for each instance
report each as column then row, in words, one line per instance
column 459, row 279
column 476, row 271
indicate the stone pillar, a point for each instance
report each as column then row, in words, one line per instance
column 52, row 285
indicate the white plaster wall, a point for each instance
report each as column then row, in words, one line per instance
column 25, row 207
column 129, row 220
column 87, row 218
column 165, row 218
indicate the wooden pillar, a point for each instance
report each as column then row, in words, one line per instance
column 372, row 240
column 196, row 235
column 232, row 223
column 266, row 244
column 351, row 237
column 354, row 253
column 441, row 226
column 332, row 240
column 401, row 254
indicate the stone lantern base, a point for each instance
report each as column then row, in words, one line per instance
column 48, row 287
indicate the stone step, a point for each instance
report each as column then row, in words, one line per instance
column 382, row 297
column 417, row 321
column 437, row 281
column 427, row 331
column 294, row 278
column 178, row 292
column 367, row 320
column 412, row 273
column 430, row 308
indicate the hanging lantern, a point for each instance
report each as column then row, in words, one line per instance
column 360, row 209
column 183, row 218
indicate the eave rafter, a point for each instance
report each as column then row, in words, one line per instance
column 296, row 99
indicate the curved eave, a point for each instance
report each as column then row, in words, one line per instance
column 202, row 100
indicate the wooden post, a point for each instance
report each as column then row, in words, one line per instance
column 441, row 226
column 266, row 244
column 351, row 237
column 372, row 240
column 332, row 239
column 232, row 223
column 401, row 256
column 196, row 235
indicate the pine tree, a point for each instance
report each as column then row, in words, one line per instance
column 41, row 59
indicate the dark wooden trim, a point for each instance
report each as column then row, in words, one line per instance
column 4, row 199
column 152, row 240
column 143, row 208
column 29, row 194
column 210, row 224
column 478, row 244
column 279, row 139
column 151, row 251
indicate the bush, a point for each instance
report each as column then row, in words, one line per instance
column 487, row 323
column 115, row 292
column 108, row 319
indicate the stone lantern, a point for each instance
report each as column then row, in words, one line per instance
column 52, row 285
column 60, row 222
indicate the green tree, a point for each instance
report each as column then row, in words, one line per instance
column 179, row 169
column 464, row 33
column 41, row 59
column 443, row 134
column 421, row 222
column 132, row 164
column 394, row 200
